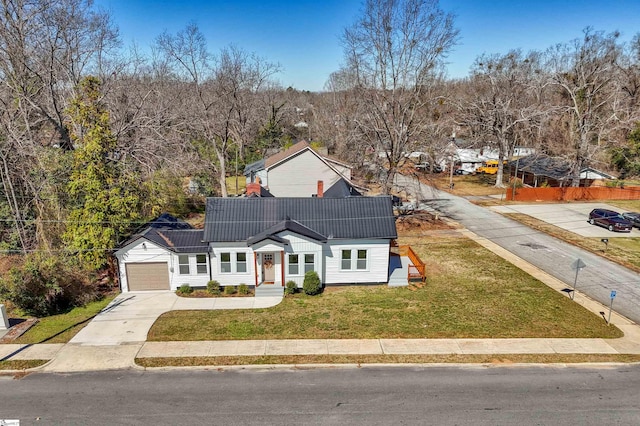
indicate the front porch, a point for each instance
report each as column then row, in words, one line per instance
column 405, row 267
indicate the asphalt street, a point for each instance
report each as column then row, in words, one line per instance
column 337, row 396
column 553, row 256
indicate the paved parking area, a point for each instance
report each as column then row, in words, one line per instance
column 569, row 216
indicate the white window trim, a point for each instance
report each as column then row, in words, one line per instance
column 353, row 261
column 301, row 263
column 206, row 264
column 233, row 260
column 180, row 265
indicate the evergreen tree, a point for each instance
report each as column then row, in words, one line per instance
column 105, row 200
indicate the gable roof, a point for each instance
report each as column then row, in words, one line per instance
column 543, row 165
column 341, row 188
column 286, row 225
column 239, row 219
column 171, row 233
column 292, row 150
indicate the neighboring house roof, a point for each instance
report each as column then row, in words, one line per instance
column 240, row 219
column 591, row 173
column 292, row 150
column 341, row 188
column 254, row 167
column 171, row 233
column 543, row 165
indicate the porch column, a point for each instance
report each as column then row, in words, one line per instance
column 282, row 266
column 255, row 266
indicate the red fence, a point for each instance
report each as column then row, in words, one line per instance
column 572, row 194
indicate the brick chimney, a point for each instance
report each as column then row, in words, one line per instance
column 253, row 189
column 320, row 189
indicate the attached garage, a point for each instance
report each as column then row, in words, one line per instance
column 147, row 276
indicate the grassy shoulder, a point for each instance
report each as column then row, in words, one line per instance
column 470, row 293
column 61, row 328
column 384, row 359
column 624, row 251
column 21, row 364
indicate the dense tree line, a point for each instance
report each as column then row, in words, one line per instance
column 96, row 137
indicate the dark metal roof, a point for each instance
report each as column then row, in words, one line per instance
column 543, row 165
column 239, row 219
column 180, row 241
column 341, row 188
column 286, row 225
column 171, row 233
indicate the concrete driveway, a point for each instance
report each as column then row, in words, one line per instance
column 129, row 317
column 569, row 216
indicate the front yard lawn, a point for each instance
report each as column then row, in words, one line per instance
column 61, row 328
column 470, row 293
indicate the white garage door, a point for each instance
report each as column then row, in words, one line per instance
column 147, row 276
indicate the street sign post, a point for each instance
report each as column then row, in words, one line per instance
column 577, row 265
column 612, row 296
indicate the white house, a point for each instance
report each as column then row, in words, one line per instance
column 265, row 242
column 300, row 171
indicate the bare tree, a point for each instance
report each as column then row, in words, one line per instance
column 584, row 72
column 501, row 98
column 391, row 52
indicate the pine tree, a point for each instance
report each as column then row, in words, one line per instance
column 105, row 200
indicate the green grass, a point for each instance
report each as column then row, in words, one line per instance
column 21, row 364
column 386, row 359
column 231, row 184
column 61, row 328
column 470, row 293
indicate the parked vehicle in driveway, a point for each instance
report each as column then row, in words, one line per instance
column 610, row 219
column 632, row 217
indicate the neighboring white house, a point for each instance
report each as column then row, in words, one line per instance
column 265, row 242
column 300, row 172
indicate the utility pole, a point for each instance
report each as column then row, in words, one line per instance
column 453, row 145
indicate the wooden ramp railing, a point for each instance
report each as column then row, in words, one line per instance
column 417, row 269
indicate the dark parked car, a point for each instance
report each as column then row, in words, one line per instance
column 610, row 219
column 632, row 217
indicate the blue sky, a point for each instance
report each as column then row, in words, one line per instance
column 304, row 35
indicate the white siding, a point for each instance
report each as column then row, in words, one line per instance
column 301, row 246
column 299, row 176
column 152, row 253
column 377, row 270
column 234, row 277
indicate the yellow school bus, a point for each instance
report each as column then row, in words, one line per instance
column 489, row 167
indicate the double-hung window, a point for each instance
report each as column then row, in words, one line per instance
column 354, row 260
column 309, row 263
column 225, row 263
column 183, row 264
column 241, row 262
column 201, row 263
column 294, row 266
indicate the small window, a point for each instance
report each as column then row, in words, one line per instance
column 225, row 263
column 362, row 260
column 294, row 267
column 309, row 263
column 241, row 262
column 201, row 263
column 183, row 262
column 346, row 259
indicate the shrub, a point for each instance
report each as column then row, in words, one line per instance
column 185, row 289
column 213, row 287
column 229, row 289
column 243, row 289
column 311, row 284
column 47, row 286
column 290, row 287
